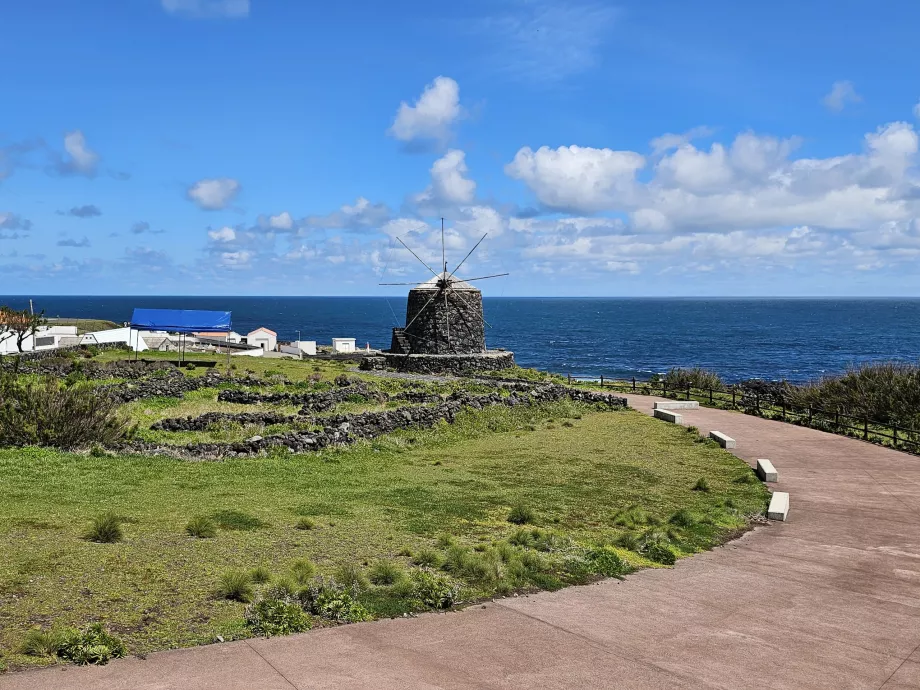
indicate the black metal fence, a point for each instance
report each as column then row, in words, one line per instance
column 772, row 407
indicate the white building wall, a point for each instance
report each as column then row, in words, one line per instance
column 343, row 345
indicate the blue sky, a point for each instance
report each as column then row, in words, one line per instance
column 278, row 147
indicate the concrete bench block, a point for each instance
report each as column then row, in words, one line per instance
column 779, row 506
column 668, row 416
column 677, row 405
column 722, row 439
column 766, row 471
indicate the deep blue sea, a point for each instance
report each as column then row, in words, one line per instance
column 796, row 339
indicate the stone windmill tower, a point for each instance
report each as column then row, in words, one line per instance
column 443, row 314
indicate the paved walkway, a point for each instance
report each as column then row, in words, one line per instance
column 829, row 599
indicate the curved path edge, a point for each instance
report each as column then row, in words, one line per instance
column 828, row 599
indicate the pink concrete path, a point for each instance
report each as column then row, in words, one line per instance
column 829, row 599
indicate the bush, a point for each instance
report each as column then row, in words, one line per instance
column 235, row 585
column 386, row 573
column 305, row 523
column 682, row 518
column 105, row 529
column 47, row 413
column 276, row 612
column 536, row 538
column 657, row 547
column 92, row 645
column 37, row 642
column 521, row 515
column 202, row 527
column 603, row 560
column 701, row 484
column 433, row 590
column 335, row 601
column 678, row 379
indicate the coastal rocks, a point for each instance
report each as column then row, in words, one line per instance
column 456, row 365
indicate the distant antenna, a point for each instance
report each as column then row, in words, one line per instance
column 443, row 251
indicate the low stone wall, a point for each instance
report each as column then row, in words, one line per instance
column 312, row 402
column 9, row 360
column 454, row 365
column 345, row 429
column 204, row 422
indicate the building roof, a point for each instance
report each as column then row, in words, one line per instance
column 434, row 283
column 214, row 334
column 263, row 328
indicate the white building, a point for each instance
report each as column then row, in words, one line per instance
column 300, row 347
column 343, row 345
column 232, row 336
column 134, row 339
column 264, row 338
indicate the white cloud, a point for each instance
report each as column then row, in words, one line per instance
column 201, row 9
column 336, row 259
column 841, row 94
column 448, row 182
column 214, row 194
column 433, row 114
column 629, row 267
column 225, row 234
column 399, row 227
column 362, row 215
column 669, row 141
column 575, row 177
column 283, row 221
column 81, row 159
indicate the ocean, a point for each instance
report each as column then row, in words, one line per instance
column 795, row 339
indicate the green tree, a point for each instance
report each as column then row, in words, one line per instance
column 19, row 324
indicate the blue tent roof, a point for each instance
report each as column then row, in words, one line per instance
column 181, row 320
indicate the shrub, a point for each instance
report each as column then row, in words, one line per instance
column 47, row 413
column 302, row 570
column 305, row 523
column 446, row 541
column 237, row 520
column 521, row 515
column 433, row 590
column 628, row 541
column 679, row 379
column 202, row 527
column 701, row 484
column 536, row 538
column 235, row 585
column 105, row 529
column 386, row 573
column 335, row 601
column 607, row 562
column 276, row 612
column 351, row 576
column 92, row 645
column 260, row 575
column 427, row 558
column 190, row 366
column 656, row 547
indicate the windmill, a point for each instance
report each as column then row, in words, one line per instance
column 444, row 313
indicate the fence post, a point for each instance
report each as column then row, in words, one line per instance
column 688, row 391
column 664, row 389
column 895, row 430
column 710, row 396
column 866, row 428
column 602, row 380
column 634, row 383
column 570, row 379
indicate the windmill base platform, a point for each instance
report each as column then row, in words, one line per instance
column 455, row 364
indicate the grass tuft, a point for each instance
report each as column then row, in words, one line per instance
column 235, row 585
column 202, row 527
column 302, row 570
column 386, row 573
column 305, row 523
column 701, row 485
column 521, row 515
column 105, row 529
column 260, row 575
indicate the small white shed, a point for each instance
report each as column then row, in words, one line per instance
column 263, row 337
column 343, row 345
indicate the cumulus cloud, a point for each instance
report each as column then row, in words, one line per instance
column 238, row 259
column 575, row 177
column 449, row 184
column 669, row 141
column 80, row 159
column 842, row 93
column 85, row 211
column 214, row 194
column 224, row 235
column 432, row 115
column 207, row 9
column 69, row 242
column 11, row 221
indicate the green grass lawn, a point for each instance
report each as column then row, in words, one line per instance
column 588, row 477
